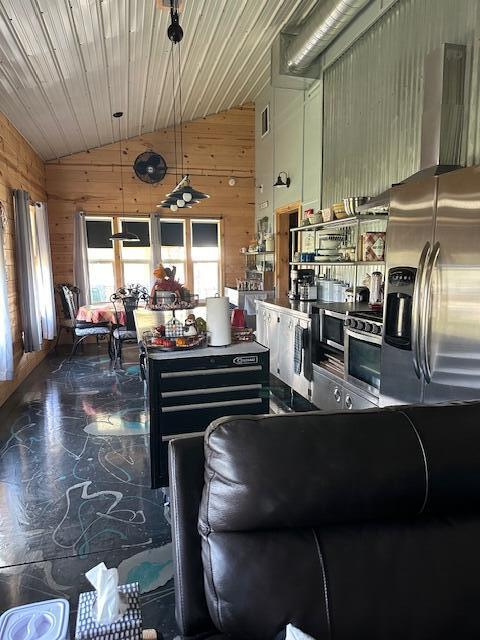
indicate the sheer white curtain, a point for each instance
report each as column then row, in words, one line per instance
column 26, row 268
column 45, row 274
column 6, row 348
column 81, row 277
column 155, row 242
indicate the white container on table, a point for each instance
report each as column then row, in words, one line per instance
column 47, row 620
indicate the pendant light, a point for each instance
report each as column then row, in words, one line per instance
column 123, row 236
column 184, row 195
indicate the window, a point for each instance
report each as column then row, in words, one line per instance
column 101, row 259
column 116, row 264
column 136, row 256
column 191, row 246
column 205, row 257
column 265, row 120
column 172, row 234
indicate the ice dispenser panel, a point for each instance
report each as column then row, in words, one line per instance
column 398, row 317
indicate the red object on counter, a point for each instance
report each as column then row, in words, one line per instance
column 238, row 318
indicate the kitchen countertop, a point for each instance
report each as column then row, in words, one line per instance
column 307, row 308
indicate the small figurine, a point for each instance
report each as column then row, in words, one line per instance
column 190, row 329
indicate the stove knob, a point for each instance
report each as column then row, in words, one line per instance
column 376, row 329
column 347, row 322
column 368, row 327
column 353, row 323
column 360, row 325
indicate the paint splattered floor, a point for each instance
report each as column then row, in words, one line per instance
column 75, row 487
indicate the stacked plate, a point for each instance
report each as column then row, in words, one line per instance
column 328, row 248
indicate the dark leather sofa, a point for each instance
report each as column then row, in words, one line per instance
column 350, row 525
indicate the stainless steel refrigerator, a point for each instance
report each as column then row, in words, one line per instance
column 431, row 341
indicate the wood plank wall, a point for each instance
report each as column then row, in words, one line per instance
column 20, row 168
column 215, row 148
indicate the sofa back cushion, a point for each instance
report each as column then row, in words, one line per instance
column 344, row 522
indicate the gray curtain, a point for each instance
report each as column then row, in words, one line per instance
column 155, row 242
column 26, row 273
column 81, row 276
column 45, row 273
column 6, row 349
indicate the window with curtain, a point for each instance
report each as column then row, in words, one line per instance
column 34, row 271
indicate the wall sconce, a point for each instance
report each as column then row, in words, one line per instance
column 282, row 182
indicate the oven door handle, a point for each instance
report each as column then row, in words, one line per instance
column 372, row 338
column 417, row 308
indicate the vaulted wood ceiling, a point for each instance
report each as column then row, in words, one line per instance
column 67, row 65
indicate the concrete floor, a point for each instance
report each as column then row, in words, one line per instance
column 75, row 487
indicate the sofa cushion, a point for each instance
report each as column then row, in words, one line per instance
column 315, row 468
column 309, row 469
column 258, row 582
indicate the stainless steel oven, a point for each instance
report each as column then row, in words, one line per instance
column 331, row 328
column 363, row 347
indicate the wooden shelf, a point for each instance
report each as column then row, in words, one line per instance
column 345, row 222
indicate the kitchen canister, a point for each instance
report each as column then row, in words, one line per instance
column 218, row 321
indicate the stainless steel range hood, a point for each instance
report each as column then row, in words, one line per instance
column 443, row 111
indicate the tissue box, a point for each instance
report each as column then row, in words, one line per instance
column 128, row 626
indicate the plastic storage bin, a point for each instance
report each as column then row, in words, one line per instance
column 47, row 620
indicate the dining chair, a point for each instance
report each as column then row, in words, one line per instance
column 125, row 301
column 66, row 321
column 80, row 329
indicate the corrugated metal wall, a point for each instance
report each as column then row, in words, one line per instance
column 374, row 95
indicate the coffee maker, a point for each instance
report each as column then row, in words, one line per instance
column 307, row 288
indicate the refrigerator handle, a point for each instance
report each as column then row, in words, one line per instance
column 425, row 314
column 416, row 308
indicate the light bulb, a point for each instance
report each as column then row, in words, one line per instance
column 180, row 203
column 187, row 196
column 173, row 207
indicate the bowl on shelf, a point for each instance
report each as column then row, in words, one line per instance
column 352, row 203
column 328, row 243
column 328, row 252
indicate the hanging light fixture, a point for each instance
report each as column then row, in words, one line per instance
column 124, row 236
column 184, row 195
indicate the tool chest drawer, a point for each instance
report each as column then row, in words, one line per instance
column 186, row 394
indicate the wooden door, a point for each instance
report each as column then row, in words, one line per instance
column 283, row 224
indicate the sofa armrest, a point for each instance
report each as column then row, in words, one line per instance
column 186, row 471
